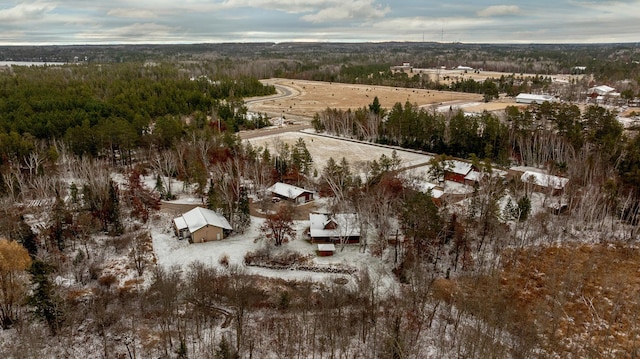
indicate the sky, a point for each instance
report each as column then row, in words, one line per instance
column 44, row 22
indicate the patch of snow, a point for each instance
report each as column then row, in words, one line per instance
column 170, row 252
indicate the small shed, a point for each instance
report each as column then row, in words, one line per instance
column 326, row 249
column 436, row 192
column 291, row 193
column 201, row 225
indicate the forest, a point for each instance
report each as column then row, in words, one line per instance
column 90, row 153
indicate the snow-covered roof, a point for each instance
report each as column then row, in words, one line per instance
column 544, row 180
column 326, row 247
column 180, row 223
column 287, row 190
column 473, row 176
column 346, row 225
column 200, row 217
column 529, row 98
column 426, row 186
column 601, row 90
column 459, row 167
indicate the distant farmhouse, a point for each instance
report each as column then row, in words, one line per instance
column 528, row 98
column 464, row 68
column 601, row 94
column 334, row 228
column 602, row 90
column 291, row 193
column 541, row 182
column 201, row 225
column 405, row 67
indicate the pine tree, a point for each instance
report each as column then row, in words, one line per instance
column 160, row 187
column 375, row 106
column 243, row 215
column 112, row 208
column 43, row 297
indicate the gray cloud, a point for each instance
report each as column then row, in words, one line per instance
column 132, row 13
column 166, row 21
column 25, row 11
column 499, row 10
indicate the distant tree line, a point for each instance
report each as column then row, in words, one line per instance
column 113, row 108
column 558, row 136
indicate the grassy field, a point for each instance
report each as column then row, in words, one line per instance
column 317, row 96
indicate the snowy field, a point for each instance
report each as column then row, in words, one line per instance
column 322, row 148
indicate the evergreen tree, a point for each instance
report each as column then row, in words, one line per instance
column 113, row 208
column 27, row 238
column 43, row 299
column 524, row 208
column 243, row 215
column 160, row 187
column 375, row 106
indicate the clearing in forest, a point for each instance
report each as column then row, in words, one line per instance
column 316, row 96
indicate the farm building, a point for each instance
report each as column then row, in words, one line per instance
column 528, row 98
column 457, row 171
column 436, row 193
column 201, row 225
column 334, row 228
column 475, row 176
column 291, row 193
column 464, row 68
column 326, row 249
column 602, row 90
column 541, row 182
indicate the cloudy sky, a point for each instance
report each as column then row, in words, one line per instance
column 194, row 21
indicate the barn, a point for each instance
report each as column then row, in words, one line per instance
column 457, row 171
column 291, row 193
column 201, row 225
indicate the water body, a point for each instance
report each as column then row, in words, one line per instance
column 30, row 63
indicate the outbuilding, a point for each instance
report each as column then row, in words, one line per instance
column 457, row 171
column 326, row 249
column 542, row 182
column 291, row 193
column 201, row 225
column 529, row 98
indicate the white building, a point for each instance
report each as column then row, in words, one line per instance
column 529, row 98
column 602, row 90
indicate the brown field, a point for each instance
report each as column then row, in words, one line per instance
column 316, row 96
column 575, row 300
column 449, row 76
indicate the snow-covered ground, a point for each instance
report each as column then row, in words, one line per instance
column 420, row 177
column 170, row 252
column 322, row 148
